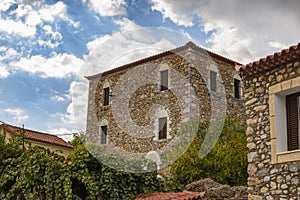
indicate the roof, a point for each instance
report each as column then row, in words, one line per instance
column 271, row 61
column 165, row 53
column 170, row 196
column 36, row 136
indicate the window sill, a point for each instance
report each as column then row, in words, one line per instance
column 288, row 156
column 161, row 140
column 105, row 107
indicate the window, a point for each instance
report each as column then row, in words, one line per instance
column 236, row 88
column 213, row 80
column 284, row 111
column 106, row 96
column 162, row 128
column 292, row 112
column 103, row 134
column 164, row 79
column 162, row 125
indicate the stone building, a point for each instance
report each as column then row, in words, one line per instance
column 272, row 90
column 140, row 107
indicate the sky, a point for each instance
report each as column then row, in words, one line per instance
column 48, row 46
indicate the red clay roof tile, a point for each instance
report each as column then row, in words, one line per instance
column 37, row 136
column 271, row 61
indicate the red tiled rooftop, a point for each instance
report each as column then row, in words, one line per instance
column 165, row 53
column 271, row 61
column 37, row 136
column 170, row 196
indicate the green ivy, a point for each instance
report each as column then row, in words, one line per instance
column 38, row 173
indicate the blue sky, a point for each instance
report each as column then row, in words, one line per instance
column 47, row 46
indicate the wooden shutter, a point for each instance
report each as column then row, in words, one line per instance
column 236, row 86
column 106, row 96
column 103, row 134
column 164, row 76
column 213, row 81
column 162, row 128
column 292, row 121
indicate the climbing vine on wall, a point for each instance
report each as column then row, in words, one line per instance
column 37, row 173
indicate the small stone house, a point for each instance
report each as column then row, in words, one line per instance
column 35, row 138
column 156, row 95
column 272, row 99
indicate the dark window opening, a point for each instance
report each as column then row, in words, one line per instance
column 213, row 81
column 106, row 96
column 237, row 88
column 292, row 111
column 162, row 128
column 164, row 80
column 103, row 134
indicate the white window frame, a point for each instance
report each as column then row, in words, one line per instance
column 237, row 77
column 106, row 85
column 163, row 67
column 214, row 69
column 104, row 122
column 161, row 114
column 278, row 121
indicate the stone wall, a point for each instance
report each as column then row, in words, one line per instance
column 268, row 178
column 147, row 100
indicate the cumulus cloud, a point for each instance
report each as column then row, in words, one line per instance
column 54, row 37
column 63, row 133
column 108, row 7
column 16, row 28
column 4, row 5
column 28, row 16
column 6, row 55
column 3, row 71
column 57, row 98
column 131, row 43
column 242, row 30
column 17, row 113
column 58, row 66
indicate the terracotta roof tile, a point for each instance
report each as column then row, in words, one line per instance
column 170, row 196
column 37, row 136
column 271, row 61
column 165, row 53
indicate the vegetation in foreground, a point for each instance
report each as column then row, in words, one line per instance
column 37, row 173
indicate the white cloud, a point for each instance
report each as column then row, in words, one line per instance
column 4, row 5
column 34, row 15
column 63, row 133
column 241, row 29
column 108, row 7
column 131, row 43
column 54, row 37
column 174, row 10
column 3, row 71
column 17, row 28
column 75, row 114
column 277, row 45
column 58, row 98
column 17, row 113
column 58, row 66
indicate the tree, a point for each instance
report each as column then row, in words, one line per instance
column 226, row 163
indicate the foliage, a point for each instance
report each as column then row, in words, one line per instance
column 38, row 173
column 226, row 163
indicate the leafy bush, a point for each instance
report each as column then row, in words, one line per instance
column 226, row 162
column 38, row 173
